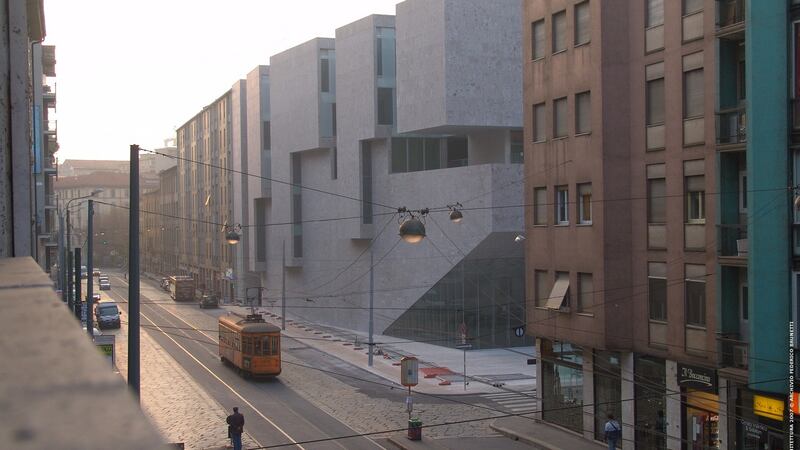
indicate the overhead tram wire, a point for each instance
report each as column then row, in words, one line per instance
column 503, row 413
column 288, row 183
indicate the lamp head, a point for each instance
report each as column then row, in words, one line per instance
column 412, row 230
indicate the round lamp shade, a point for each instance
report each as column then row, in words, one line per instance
column 412, row 230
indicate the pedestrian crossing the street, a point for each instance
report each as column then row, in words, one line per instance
column 514, row 401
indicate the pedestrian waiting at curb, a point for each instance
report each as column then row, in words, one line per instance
column 613, row 432
column 235, row 428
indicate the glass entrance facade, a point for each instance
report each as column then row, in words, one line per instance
column 486, row 295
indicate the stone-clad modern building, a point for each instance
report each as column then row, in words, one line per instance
column 402, row 111
column 320, row 149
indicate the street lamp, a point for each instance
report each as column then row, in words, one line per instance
column 232, row 234
column 519, row 238
column 412, row 229
column 455, row 214
column 64, row 242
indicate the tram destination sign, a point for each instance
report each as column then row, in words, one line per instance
column 697, row 377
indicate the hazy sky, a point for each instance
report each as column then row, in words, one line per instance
column 131, row 72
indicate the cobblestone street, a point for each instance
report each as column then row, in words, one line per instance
column 174, row 402
column 184, row 412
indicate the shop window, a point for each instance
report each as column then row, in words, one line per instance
column 562, row 384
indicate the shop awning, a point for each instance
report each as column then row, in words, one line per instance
column 558, row 294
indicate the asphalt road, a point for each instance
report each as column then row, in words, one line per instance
column 275, row 415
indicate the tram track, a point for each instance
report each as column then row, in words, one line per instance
column 289, row 415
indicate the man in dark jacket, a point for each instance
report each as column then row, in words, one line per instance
column 235, row 428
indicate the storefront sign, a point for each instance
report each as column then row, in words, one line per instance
column 752, row 431
column 697, row 377
column 795, row 403
column 768, row 407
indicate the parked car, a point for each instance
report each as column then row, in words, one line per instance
column 105, row 285
column 209, row 301
column 165, row 283
column 84, row 272
column 96, row 272
column 96, row 296
column 107, row 315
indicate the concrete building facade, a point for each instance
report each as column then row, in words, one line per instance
column 402, row 111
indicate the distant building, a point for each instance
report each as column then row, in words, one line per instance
column 81, row 167
column 110, row 222
column 206, row 196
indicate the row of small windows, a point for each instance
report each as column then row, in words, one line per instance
column 554, row 293
column 581, row 16
column 694, row 193
column 560, row 123
column 561, row 205
column 558, row 31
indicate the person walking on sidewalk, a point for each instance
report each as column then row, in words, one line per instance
column 235, row 428
column 613, row 432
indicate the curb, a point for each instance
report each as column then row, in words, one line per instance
column 403, row 443
column 536, row 443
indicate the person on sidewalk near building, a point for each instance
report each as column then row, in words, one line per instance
column 235, row 428
column 613, row 432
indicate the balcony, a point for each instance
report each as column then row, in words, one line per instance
column 50, row 165
column 732, row 127
column 51, row 201
column 50, row 127
column 732, row 244
column 49, row 91
column 733, row 351
column 730, row 17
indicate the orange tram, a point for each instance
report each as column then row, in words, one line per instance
column 250, row 344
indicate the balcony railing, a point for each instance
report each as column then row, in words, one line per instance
column 732, row 240
column 51, row 126
column 729, row 12
column 732, row 126
column 733, row 351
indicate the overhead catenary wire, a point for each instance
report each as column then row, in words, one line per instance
column 262, row 177
column 732, row 384
column 503, row 413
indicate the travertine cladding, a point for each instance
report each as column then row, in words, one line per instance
column 449, row 73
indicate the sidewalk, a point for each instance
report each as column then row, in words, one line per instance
column 488, row 371
column 500, row 370
column 541, row 435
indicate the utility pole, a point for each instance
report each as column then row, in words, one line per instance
column 133, row 275
column 90, row 271
column 283, row 288
column 68, row 277
column 68, row 273
column 371, row 344
column 62, row 260
column 78, row 303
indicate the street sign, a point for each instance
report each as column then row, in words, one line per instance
column 519, row 331
column 463, row 330
column 464, row 346
column 409, row 371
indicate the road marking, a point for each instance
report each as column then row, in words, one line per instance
column 195, row 328
column 225, row 384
